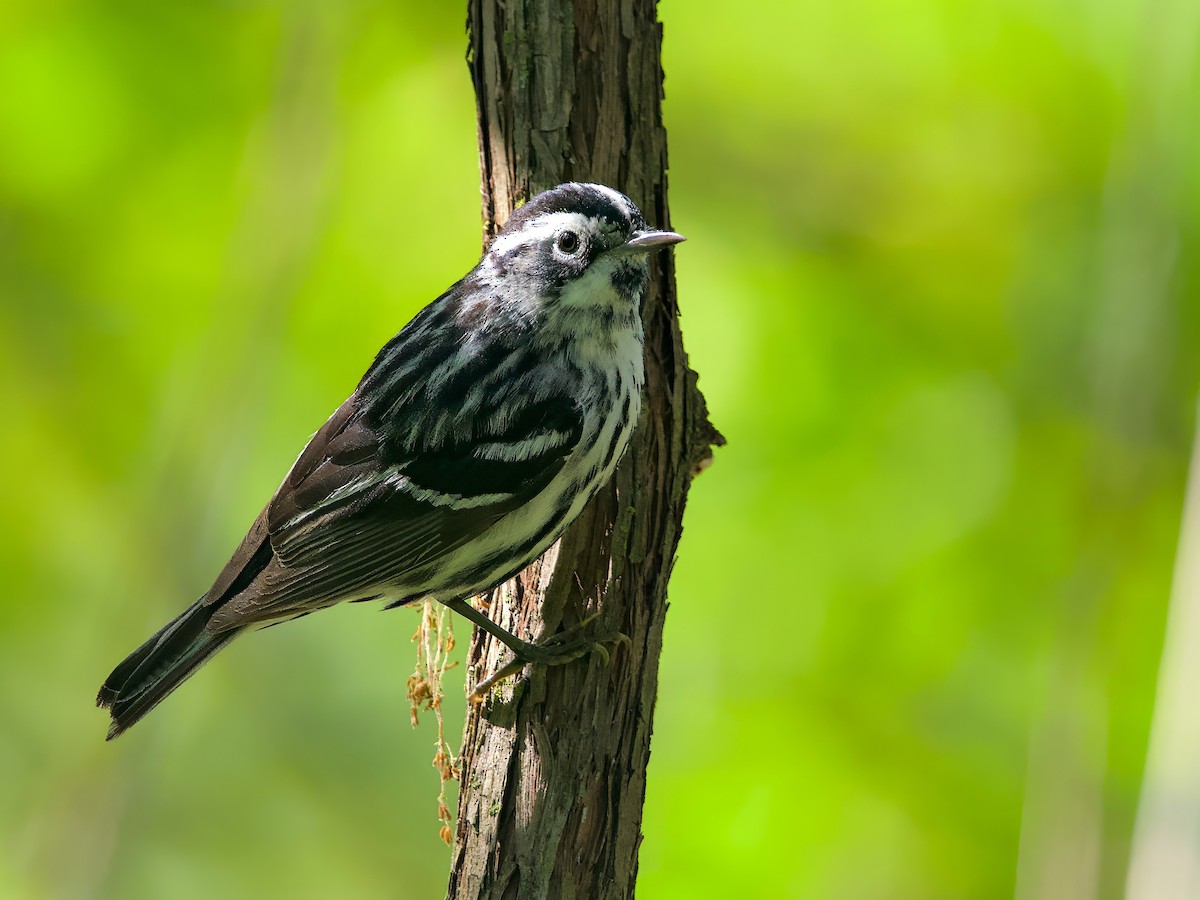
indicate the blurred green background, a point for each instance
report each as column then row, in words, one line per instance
column 940, row 289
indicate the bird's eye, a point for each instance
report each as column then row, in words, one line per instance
column 568, row 241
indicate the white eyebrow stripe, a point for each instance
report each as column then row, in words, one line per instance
column 538, row 229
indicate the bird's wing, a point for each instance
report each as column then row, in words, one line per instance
column 359, row 510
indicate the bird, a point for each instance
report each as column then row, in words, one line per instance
column 475, row 437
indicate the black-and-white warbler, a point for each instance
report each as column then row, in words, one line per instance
column 474, row 439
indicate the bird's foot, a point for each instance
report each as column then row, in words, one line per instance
column 562, row 648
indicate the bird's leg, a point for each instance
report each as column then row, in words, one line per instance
column 553, row 652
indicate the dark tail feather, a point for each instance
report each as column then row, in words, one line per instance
column 159, row 666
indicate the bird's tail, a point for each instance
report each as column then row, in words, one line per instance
column 160, row 665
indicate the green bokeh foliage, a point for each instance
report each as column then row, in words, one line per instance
column 940, row 290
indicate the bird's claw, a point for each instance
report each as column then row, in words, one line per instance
column 556, row 651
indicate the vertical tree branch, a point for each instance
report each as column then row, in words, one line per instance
column 554, row 765
column 1165, row 859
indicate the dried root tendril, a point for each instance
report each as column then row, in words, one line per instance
column 434, row 639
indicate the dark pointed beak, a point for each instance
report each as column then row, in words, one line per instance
column 645, row 241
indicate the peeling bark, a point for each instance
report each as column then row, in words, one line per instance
column 554, row 761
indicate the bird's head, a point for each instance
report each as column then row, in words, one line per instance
column 575, row 247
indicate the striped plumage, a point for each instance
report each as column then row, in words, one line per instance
column 477, row 435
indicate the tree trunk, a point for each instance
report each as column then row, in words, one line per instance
column 554, row 762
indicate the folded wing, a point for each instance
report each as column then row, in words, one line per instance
column 369, row 506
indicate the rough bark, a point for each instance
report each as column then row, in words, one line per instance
column 554, row 761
